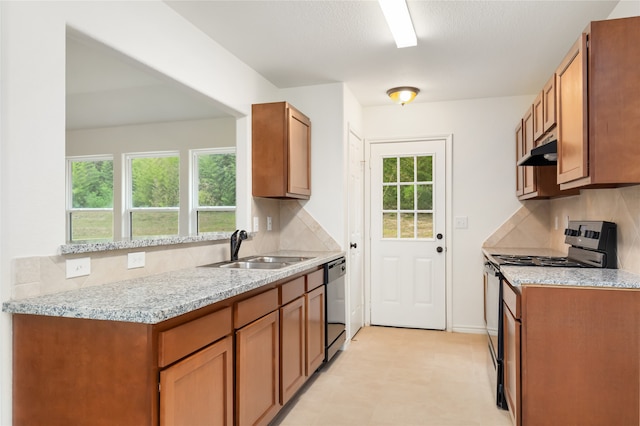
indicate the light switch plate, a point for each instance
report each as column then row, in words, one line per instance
column 269, row 223
column 256, row 224
column 462, row 222
column 78, row 267
column 135, row 260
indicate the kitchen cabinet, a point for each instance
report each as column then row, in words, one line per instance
column 315, row 321
column 237, row 361
column 281, row 151
column 82, row 371
column 292, row 338
column 538, row 116
column 571, row 358
column 257, row 359
column 598, row 101
column 512, row 357
column 549, row 105
column 198, row 390
column 533, row 182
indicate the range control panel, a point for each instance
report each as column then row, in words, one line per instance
column 591, row 234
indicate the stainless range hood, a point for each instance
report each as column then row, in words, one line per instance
column 543, row 155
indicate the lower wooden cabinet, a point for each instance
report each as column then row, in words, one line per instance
column 292, row 348
column 315, row 328
column 199, row 389
column 258, row 371
column 512, row 357
column 571, row 355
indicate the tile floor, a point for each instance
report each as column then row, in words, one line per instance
column 394, row 376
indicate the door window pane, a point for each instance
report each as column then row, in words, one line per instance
column 390, row 169
column 407, row 201
column 390, row 225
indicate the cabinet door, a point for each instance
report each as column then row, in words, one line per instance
column 315, row 324
column 199, row 389
column 549, row 104
column 292, row 348
column 538, row 116
column 299, row 178
column 573, row 136
column 512, row 385
column 519, row 155
column 529, row 182
column 257, row 371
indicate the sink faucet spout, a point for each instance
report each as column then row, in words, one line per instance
column 236, row 240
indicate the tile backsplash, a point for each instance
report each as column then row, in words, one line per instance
column 293, row 228
column 533, row 225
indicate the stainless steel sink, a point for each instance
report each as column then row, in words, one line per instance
column 260, row 262
column 277, row 259
column 252, row 265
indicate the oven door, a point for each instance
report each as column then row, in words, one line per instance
column 493, row 326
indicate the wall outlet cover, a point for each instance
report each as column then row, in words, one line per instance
column 78, row 267
column 135, row 260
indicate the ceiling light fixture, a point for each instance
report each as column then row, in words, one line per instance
column 397, row 15
column 403, row 95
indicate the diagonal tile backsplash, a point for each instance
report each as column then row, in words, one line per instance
column 533, row 225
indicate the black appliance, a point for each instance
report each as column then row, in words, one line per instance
column 592, row 244
column 336, row 313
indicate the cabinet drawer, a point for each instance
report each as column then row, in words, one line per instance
column 291, row 290
column 184, row 339
column 255, row 307
column 511, row 299
column 315, row 279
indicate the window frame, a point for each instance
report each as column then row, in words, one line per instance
column 127, row 205
column 194, row 199
column 69, row 193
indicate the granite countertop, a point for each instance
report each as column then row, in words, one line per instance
column 558, row 276
column 157, row 298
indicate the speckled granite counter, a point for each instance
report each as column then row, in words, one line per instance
column 577, row 277
column 156, row 298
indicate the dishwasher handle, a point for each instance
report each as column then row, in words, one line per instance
column 335, row 269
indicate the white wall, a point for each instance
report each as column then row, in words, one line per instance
column 323, row 104
column 483, row 178
column 32, row 118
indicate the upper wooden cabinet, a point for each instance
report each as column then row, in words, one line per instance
column 598, row 101
column 281, row 151
column 549, row 105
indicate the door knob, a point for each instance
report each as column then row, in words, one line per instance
column 353, row 245
column 439, row 249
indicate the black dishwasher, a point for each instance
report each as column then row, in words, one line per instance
column 335, row 315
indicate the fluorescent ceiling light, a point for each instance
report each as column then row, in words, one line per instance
column 397, row 15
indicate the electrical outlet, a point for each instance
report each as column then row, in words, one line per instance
column 462, row 222
column 78, row 267
column 269, row 224
column 256, row 224
column 135, row 260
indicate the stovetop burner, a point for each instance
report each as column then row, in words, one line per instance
column 525, row 260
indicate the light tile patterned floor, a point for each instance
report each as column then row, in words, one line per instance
column 394, row 376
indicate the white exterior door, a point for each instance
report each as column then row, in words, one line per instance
column 356, row 224
column 407, row 234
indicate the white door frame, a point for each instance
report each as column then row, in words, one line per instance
column 448, row 222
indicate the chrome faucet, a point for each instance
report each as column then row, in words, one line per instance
column 236, row 240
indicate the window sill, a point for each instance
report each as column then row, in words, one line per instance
column 133, row 244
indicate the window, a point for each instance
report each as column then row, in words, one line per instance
column 214, row 190
column 90, row 199
column 153, row 194
column 407, row 197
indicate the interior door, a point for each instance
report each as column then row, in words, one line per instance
column 356, row 224
column 407, row 234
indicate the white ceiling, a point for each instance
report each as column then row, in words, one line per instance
column 466, row 49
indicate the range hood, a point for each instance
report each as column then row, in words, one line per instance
column 545, row 154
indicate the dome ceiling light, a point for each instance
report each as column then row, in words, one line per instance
column 403, row 95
